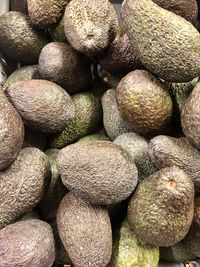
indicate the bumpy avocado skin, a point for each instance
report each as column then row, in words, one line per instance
column 138, row 149
column 166, row 151
column 22, row 74
column 22, row 42
column 44, row 13
column 23, row 184
column 162, row 208
column 190, row 117
column 130, row 251
column 57, row 32
column 60, row 63
column 19, row 5
column 12, row 132
column 27, row 243
column 88, row 28
column 157, row 33
column 113, row 122
column 184, row 8
column 85, row 231
column 144, row 102
column 88, row 117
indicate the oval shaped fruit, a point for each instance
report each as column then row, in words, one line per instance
column 85, row 231
column 98, row 171
column 21, row 42
column 144, row 102
column 22, row 185
column 27, row 243
column 42, row 104
column 11, row 132
column 162, row 208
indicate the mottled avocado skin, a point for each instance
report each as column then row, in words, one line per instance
column 88, row 117
column 27, row 243
column 130, row 251
column 22, row 42
column 85, row 231
column 167, row 44
column 162, row 208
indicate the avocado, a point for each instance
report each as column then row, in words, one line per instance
column 34, row 139
column 22, row 185
column 88, row 116
column 130, row 251
column 60, row 63
column 184, row 8
column 98, row 171
column 93, row 137
column 56, row 190
column 85, row 231
column 120, row 57
column 167, row 44
column 162, row 208
column 21, row 43
column 167, row 151
column 12, row 132
column 44, row 13
column 19, row 5
column 190, row 117
column 57, row 32
column 27, row 243
column 90, row 26
column 144, row 102
column 114, row 124
column 138, row 149
column 22, row 74
column 43, row 105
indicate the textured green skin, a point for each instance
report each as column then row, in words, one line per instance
column 167, row 44
column 57, row 32
column 27, row 243
column 190, row 117
column 85, row 231
column 93, row 137
column 114, row 124
column 169, row 151
column 44, row 13
column 22, row 74
column 137, row 147
column 87, row 119
column 162, row 208
column 60, row 63
column 22, row 185
column 21, row 42
column 88, row 28
column 19, row 5
column 144, row 102
column 131, row 251
column 56, row 191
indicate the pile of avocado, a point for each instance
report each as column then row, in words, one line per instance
column 100, row 133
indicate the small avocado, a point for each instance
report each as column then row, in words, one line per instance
column 98, row 171
column 90, row 26
column 190, row 117
column 22, row 185
column 144, row 102
column 88, row 117
column 22, row 74
column 43, row 105
column 93, row 137
column 85, row 231
column 120, row 57
column 60, row 63
column 21, row 43
column 34, row 139
column 166, row 151
column 12, row 132
column 130, row 251
column 19, row 5
column 184, row 8
column 57, row 32
column 138, row 149
column 113, row 122
column 161, row 210
column 167, row 44
column 27, row 243
column 44, row 13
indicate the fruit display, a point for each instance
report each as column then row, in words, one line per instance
column 100, row 133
